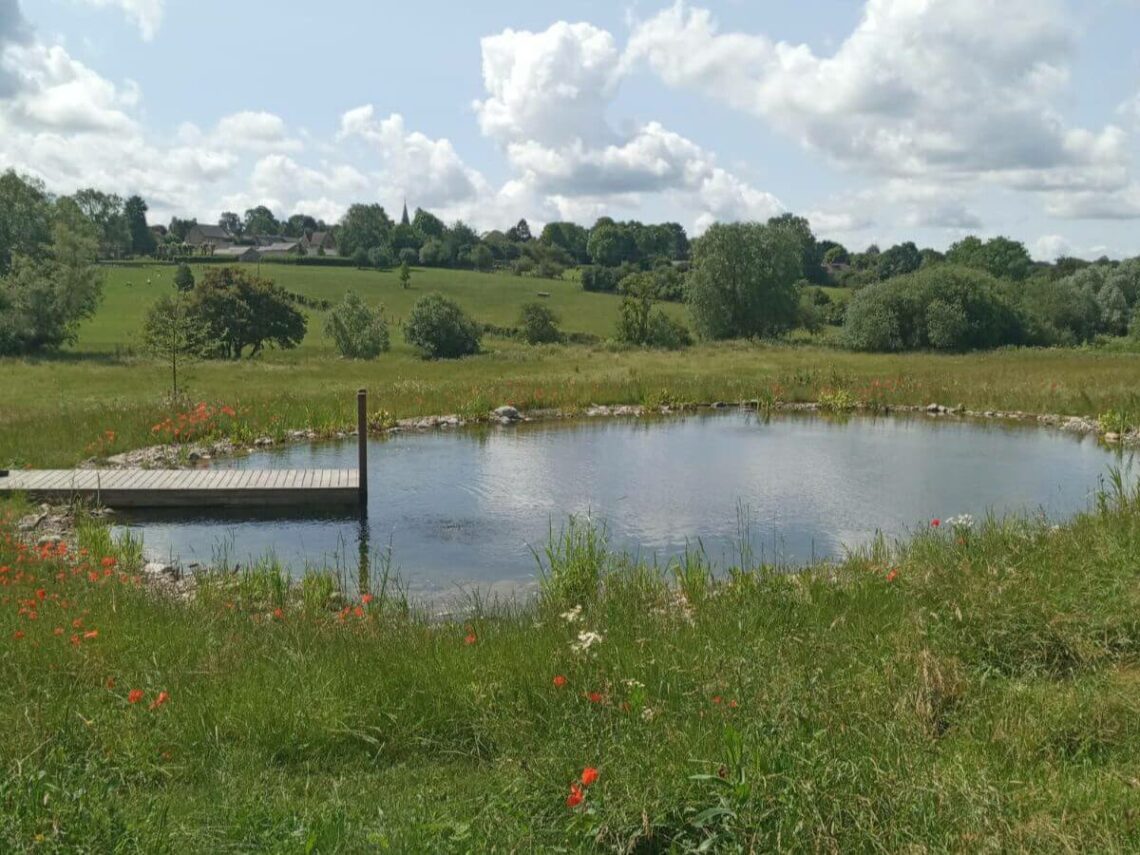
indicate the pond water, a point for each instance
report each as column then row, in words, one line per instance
column 466, row 507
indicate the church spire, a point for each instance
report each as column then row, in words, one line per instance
column 404, row 221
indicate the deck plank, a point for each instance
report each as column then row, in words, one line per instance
column 190, row 487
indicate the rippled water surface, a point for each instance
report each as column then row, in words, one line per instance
column 466, row 507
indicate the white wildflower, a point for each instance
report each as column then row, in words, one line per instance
column 575, row 614
column 586, row 640
column 961, row 521
column 648, row 714
column 633, row 684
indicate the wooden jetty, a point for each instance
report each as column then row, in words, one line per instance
column 201, row 488
column 188, row 488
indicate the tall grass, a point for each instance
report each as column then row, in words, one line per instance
column 973, row 689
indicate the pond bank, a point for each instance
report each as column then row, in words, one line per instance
column 194, row 455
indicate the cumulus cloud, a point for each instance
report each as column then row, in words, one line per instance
column 146, row 14
column 940, row 87
column 547, row 97
column 1123, row 204
column 256, row 131
column 412, row 162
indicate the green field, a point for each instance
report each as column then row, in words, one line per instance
column 493, row 298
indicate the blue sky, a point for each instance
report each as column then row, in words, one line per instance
column 881, row 121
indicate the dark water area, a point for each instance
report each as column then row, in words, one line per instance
column 465, row 508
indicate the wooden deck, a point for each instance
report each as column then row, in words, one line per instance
column 189, row 488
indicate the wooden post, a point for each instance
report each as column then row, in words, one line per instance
column 362, row 442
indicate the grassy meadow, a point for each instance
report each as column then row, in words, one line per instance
column 105, row 395
column 976, row 689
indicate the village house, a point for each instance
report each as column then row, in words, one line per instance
column 212, row 236
column 319, row 243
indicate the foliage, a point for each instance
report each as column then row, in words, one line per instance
column 25, row 219
column 171, row 334
column 599, row 278
column 439, row 329
column 1000, row 257
column 943, row 307
column 743, row 280
column 641, row 324
column 379, row 257
column 482, row 259
column 184, row 278
column 358, row 331
column 105, row 212
column 142, row 238
column 237, row 310
column 539, row 324
column 405, row 275
column 260, row 221
column 43, row 300
column 363, row 227
column 899, row 260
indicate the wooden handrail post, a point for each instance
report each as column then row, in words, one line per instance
column 362, row 442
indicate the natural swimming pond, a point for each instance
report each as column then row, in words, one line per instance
column 466, row 507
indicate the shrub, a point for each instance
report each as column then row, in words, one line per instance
column 408, row 255
column 379, row 257
column 539, row 324
column 639, row 323
column 596, row 278
column 357, row 330
column 184, row 278
column 942, row 307
column 439, row 329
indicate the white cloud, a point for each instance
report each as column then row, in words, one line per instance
column 413, row 164
column 548, row 94
column 1050, row 248
column 1123, row 204
column 920, row 88
column 255, row 131
column 146, row 14
column 549, row 87
column 54, row 91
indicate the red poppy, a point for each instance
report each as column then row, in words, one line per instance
column 94, row 633
column 559, row 681
column 108, row 561
column 40, row 593
column 589, row 776
column 716, row 699
column 935, row 523
column 595, row 697
column 470, row 639
column 366, row 599
column 18, row 634
column 135, row 695
column 358, row 611
column 58, row 630
column 575, row 797
column 279, row 613
column 162, row 698
column 894, row 574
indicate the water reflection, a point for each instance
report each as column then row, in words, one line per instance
column 468, row 506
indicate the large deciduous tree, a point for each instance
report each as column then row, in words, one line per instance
column 142, row 238
column 25, row 218
column 238, row 310
column 105, row 212
column 44, row 297
column 260, row 221
column 743, row 280
column 364, row 227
